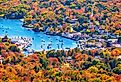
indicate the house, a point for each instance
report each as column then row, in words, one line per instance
column 69, row 59
column 119, row 57
column 113, row 40
column 116, row 45
column 1, row 59
column 99, row 44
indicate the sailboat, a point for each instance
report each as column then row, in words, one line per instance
column 22, row 20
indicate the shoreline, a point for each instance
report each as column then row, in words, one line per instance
column 40, row 30
column 70, row 36
column 47, row 33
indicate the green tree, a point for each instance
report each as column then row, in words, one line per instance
column 117, row 70
column 14, row 49
column 96, row 80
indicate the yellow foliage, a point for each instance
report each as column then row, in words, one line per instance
column 93, row 69
column 104, row 77
column 118, row 32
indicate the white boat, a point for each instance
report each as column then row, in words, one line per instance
column 21, row 20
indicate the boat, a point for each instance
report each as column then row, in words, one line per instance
column 22, row 20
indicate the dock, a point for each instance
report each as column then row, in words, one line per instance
column 22, row 42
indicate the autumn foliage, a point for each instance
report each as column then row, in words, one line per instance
column 71, row 65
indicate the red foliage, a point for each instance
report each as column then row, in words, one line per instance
column 80, row 11
column 51, row 59
column 118, row 78
column 2, row 45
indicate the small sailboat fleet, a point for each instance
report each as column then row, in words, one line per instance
column 59, row 44
column 22, row 42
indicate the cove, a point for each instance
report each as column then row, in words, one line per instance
column 13, row 28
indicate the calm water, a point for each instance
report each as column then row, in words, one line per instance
column 14, row 29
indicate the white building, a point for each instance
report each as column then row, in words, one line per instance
column 1, row 59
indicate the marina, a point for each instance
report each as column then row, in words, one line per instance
column 60, row 41
column 32, row 41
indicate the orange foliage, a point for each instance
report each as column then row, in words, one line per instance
column 80, row 11
column 78, row 56
column 115, row 52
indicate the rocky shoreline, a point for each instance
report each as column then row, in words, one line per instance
column 50, row 33
column 14, row 16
